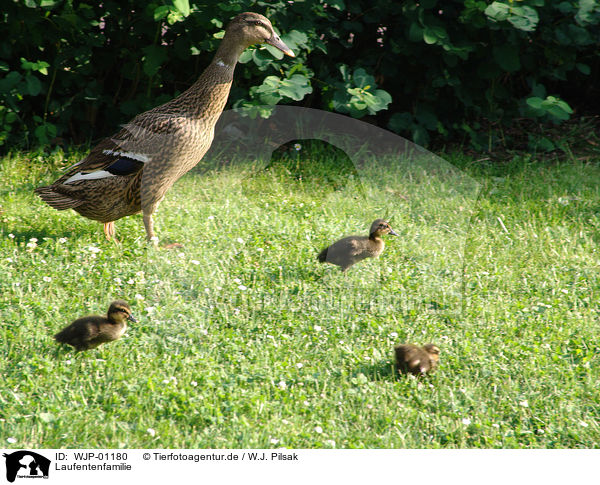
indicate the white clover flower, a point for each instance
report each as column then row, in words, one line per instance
column 210, row 218
column 193, row 384
column 151, row 432
column 149, row 309
column 240, row 240
column 11, row 236
column 237, row 281
column 495, row 425
column 47, row 279
column 117, row 280
column 330, row 443
column 94, row 249
column 242, row 288
column 260, row 250
column 369, row 406
column 466, row 421
column 285, row 421
column 10, row 260
column 282, row 385
column 130, row 281
column 62, row 240
column 317, row 328
column 524, row 404
column 11, row 440
column 583, row 423
column 31, row 245
column 195, row 261
column 299, row 365
column 274, row 441
column 306, row 403
column 33, row 239
column 318, row 429
column 393, row 334
column 138, row 296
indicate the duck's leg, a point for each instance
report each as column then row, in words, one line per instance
column 109, row 230
column 149, row 225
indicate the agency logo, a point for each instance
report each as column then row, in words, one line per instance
column 26, row 464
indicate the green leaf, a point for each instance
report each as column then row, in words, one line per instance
column 401, row 122
column 535, row 102
column 497, row 11
column 183, row 6
column 33, row 84
column 161, row 12
column 507, row 57
column 524, row 18
column 362, row 79
column 154, row 56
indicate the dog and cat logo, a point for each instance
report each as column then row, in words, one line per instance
column 26, row 464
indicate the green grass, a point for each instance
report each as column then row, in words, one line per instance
column 244, row 340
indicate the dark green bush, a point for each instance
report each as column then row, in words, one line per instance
column 74, row 70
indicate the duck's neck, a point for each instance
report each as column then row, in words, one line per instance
column 375, row 237
column 207, row 97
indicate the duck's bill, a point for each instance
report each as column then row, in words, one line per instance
column 393, row 233
column 132, row 318
column 275, row 41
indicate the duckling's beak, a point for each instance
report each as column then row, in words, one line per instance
column 393, row 233
column 131, row 317
column 275, row 41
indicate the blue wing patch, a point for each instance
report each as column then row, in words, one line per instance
column 125, row 166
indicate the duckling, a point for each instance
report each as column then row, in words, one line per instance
column 89, row 332
column 352, row 249
column 416, row 360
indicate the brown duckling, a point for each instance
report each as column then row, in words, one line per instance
column 89, row 332
column 352, row 249
column 416, row 360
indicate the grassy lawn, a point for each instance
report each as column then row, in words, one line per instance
column 244, row 340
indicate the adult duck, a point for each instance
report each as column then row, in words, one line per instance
column 132, row 170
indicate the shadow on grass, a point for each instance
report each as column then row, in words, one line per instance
column 384, row 370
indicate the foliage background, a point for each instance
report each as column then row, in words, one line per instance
column 457, row 70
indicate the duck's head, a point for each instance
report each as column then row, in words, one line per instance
column 250, row 28
column 119, row 311
column 433, row 351
column 381, row 227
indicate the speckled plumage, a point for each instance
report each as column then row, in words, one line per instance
column 137, row 166
column 412, row 359
column 352, row 249
column 89, row 332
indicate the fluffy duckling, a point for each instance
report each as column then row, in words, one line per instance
column 352, row 249
column 416, row 360
column 89, row 332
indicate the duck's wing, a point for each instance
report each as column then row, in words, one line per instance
column 129, row 150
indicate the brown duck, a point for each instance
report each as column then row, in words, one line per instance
column 132, row 170
column 89, row 332
column 412, row 359
column 352, row 249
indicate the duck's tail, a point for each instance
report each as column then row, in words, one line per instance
column 56, row 199
column 322, row 257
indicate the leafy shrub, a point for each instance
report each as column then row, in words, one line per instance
column 75, row 70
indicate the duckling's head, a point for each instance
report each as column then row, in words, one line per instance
column 252, row 28
column 381, row 227
column 433, row 351
column 119, row 311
